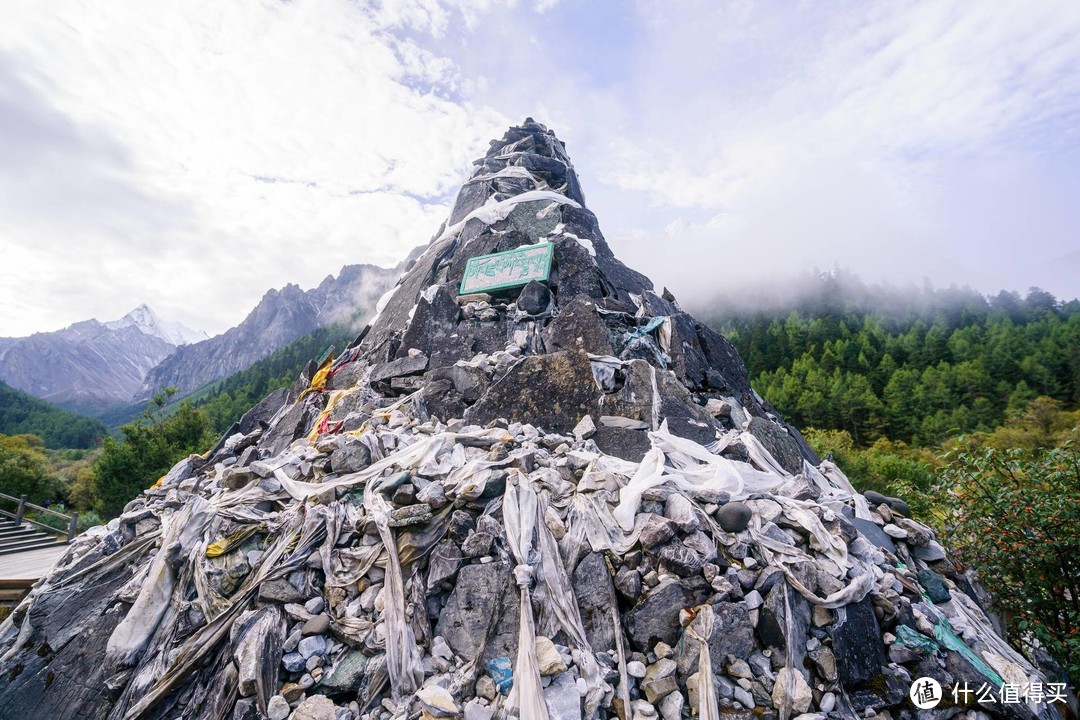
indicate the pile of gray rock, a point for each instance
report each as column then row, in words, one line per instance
column 560, row 499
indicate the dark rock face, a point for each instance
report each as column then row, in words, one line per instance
column 784, row 448
column 656, row 618
column 481, row 616
column 875, row 534
column 264, row 412
column 534, row 298
column 596, row 600
column 732, row 635
column 578, row 327
column 935, row 586
column 857, row 644
column 398, row 368
column 552, row 391
column 622, row 442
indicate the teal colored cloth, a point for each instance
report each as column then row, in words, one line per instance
column 915, row 640
column 949, row 639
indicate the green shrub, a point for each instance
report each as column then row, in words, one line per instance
column 1014, row 517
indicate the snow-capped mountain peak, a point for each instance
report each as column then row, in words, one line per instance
column 147, row 321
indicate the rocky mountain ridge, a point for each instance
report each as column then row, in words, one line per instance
column 282, row 315
column 93, row 366
column 146, row 320
column 89, row 365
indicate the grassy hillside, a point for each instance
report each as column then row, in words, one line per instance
column 24, row 414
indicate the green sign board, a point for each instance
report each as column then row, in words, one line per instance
column 507, row 269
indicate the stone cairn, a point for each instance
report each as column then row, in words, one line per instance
column 533, row 487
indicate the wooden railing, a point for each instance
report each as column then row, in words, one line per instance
column 19, row 516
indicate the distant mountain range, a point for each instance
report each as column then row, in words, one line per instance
column 94, row 367
column 89, row 366
column 280, row 317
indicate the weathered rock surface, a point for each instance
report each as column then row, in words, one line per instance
column 551, row 391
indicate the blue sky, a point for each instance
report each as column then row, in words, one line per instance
column 193, row 155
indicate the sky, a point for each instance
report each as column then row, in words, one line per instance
column 194, row 155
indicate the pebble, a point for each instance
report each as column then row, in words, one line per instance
column 317, row 625
column 293, row 662
column 635, row 669
column 313, row 645
column 734, row 516
column 828, row 702
column 744, row 698
column 739, row 668
column 278, row 708
column 485, row 687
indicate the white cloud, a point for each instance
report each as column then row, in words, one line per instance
column 240, row 145
column 194, row 154
column 877, row 138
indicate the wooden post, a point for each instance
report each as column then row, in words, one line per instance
column 20, row 512
column 71, row 525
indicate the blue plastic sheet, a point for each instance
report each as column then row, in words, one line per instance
column 502, row 673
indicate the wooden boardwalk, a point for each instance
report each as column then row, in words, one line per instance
column 30, row 565
column 19, row 571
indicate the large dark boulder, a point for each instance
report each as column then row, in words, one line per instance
column 856, row 637
column 550, row 391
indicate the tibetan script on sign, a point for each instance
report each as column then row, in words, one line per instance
column 507, row 269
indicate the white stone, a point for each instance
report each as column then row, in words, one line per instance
column 692, row 684
column 753, row 600
column 585, row 428
column 562, row 697
column 828, row 702
column 895, row 531
column 801, row 696
column 635, row 668
column 440, row 649
column 438, row 701
column 548, row 658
